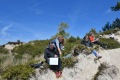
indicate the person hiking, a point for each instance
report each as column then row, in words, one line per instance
column 51, row 52
column 59, row 44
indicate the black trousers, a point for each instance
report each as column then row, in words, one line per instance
column 99, row 43
column 57, row 67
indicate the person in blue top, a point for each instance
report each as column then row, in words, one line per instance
column 59, row 44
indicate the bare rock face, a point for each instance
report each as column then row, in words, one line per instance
column 107, row 72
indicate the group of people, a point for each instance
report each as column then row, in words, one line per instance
column 55, row 47
column 54, row 50
column 89, row 40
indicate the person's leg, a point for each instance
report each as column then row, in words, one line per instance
column 60, row 67
column 56, row 71
column 101, row 44
column 91, row 44
column 98, row 43
column 87, row 44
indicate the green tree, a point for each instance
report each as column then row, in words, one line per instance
column 72, row 39
column 107, row 27
column 18, row 41
column 116, row 7
column 78, row 38
column 61, row 29
column 93, row 31
column 62, row 26
column 116, row 23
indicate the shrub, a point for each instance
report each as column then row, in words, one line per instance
column 18, row 72
column 69, row 46
column 97, row 47
column 68, row 62
column 32, row 48
column 110, row 31
column 72, row 39
column 1, row 68
column 81, row 47
column 111, row 44
column 3, row 50
column 2, row 59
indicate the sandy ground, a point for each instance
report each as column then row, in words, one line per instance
column 115, row 59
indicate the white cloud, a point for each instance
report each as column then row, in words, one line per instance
column 5, row 29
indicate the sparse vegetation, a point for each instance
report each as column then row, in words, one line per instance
column 18, row 72
column 111, row 44
column 32, row 48
column 110, row 31
column 68, row 62
column 102, row 67
column 107, row 70
column 3, row 50
column 70, row 43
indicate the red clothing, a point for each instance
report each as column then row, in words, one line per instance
column 92, row 39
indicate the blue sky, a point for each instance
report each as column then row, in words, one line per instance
column 38, row 19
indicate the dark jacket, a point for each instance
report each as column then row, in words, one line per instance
column 50, row 53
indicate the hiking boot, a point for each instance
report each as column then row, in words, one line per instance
column 57, row 74
column 99, row 57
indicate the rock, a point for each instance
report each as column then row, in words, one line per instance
column 107, row 72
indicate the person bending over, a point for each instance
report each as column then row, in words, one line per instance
column 59, row 44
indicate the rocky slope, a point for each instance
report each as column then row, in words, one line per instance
column 86, row 68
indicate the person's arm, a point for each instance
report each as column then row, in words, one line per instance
column 56, row 53
column 58, row 47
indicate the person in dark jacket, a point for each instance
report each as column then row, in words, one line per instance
column 86, row 41
column 51, row 52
